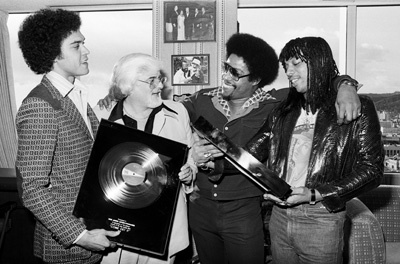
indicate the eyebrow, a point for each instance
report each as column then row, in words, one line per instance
column 77, row 41
column 151, row 78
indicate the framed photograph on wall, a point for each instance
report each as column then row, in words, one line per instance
column 190, row 69
column 189, row 21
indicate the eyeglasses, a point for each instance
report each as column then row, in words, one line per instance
column 154, row 81
column 228, row 69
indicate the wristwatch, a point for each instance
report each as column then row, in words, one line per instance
column 350, row 83
column 313, row 198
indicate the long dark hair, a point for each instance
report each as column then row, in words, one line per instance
column 314, row 51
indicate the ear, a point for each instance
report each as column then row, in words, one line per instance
column 255, row 82
column 59, row 57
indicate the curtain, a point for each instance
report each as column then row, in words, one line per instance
column 8, row 136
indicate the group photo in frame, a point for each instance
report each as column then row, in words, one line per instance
column 190, row 69
column 189, row 21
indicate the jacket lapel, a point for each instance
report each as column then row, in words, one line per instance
column 159, row 122
column 161, row 117
column 94, row 122
column 71, row 111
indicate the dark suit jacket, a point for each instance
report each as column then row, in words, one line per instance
column 54, row 146
column 188, row 24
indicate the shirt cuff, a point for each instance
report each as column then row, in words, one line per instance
column 79, row 237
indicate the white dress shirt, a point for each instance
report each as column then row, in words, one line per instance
column 76, row 91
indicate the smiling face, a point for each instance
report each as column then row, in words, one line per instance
column 73, row 60
column 297, row 73
column 240, row 89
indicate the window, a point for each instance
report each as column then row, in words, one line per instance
column 377, row 43
column 279, row 25
column 377, row 60
column 109, row 36
column 378, row 48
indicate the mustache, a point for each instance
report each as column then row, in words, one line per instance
column 230, row 83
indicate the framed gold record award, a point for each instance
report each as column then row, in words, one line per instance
column 131, row 184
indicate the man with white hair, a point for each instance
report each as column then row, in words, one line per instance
column 137, row 82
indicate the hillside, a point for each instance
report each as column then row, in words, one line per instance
column 386, row 102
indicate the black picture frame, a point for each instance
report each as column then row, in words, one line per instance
column 190, row 69
column 194, row 27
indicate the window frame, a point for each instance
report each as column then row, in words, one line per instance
column 351, row 26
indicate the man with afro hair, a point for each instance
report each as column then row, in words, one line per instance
column 56, row 129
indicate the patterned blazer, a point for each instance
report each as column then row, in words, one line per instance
column 54, row 146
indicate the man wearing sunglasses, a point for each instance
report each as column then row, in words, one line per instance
column 225, row 212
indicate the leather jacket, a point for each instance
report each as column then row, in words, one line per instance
column 345, row 160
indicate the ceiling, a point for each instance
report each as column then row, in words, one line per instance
column 21, row 6
column 18, row 6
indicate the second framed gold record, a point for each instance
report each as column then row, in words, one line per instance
column 132, row 175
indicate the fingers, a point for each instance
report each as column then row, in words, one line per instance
column 112, row 233
column 348, row 105
column 207, row 154
column 196, row 137
column 347, row 115
column 203, row 151
column 297, row 196
column 217, row 153
column 112, row 244
column 100, row 104
column 97, row 239
column 356, row 113
column 106, row 103
column 268, row 196
column 186, row 174
column 340, row 114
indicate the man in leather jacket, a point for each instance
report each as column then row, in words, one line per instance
column 325, row 164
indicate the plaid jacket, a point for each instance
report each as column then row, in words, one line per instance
column 54, row 146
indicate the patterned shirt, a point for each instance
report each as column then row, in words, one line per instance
column 258, row 96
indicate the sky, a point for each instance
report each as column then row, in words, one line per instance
column 111, row 35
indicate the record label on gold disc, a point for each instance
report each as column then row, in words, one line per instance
column 132, row 175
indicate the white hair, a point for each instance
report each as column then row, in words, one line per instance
column 128, row 70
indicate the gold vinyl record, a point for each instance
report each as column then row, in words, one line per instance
column 132, row 175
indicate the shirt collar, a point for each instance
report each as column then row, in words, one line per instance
column 118, row 110
column 63, row 85
column 259, row 95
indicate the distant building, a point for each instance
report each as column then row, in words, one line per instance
column 383, row 115
column 392, row 151
column 386, row 124
column 390, row 135
column 392, row 164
